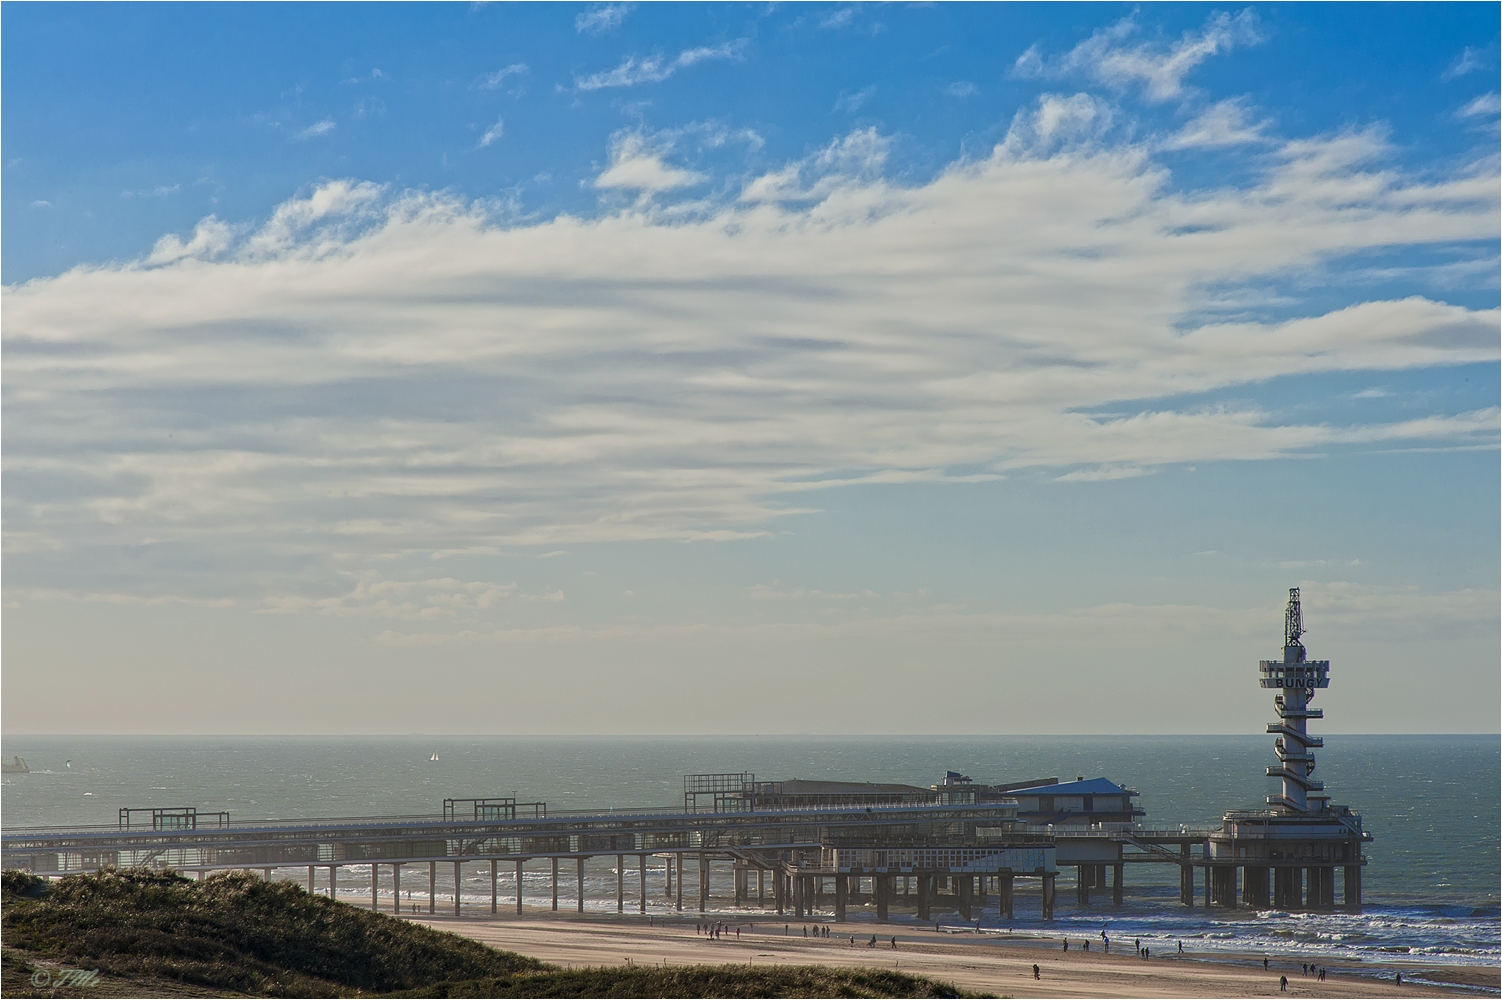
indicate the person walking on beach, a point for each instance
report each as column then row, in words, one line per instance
column 894, row 943
column 1037, row 974
column 1066, row 944
column 1264, row 963
column 1283, row 983
column 1181, row 947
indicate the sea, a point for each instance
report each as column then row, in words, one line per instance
column 1430, row 892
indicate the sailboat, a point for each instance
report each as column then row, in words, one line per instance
column 435, row 755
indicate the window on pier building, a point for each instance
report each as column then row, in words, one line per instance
column 1089, row 803
column 1045, row 803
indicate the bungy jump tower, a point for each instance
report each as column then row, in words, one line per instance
column 1289, row 853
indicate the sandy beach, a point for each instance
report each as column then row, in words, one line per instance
column 1000, row 965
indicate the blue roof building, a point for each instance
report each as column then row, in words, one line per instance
column 1082, row 802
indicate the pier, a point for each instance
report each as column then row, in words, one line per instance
column 809, row 846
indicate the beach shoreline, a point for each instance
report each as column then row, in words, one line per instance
column 989, row 962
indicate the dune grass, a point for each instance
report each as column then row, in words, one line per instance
column 151, row 932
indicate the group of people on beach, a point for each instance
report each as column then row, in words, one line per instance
column 714, row 931
column 1308, row 969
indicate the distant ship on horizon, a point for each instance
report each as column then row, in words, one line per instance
column 16, row 765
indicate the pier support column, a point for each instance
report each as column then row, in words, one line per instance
column 581, row 885
column 1353, row 887
column 667, row 877
column 924, row 883
column 641, row 872
column 1288, row 888
column 1082, row 884
column 881, row 888
column 1118, row 885
column 458, row 880
column 620, row 883
column 703, row 881
column 680, row 881
column 761, row 885
column 310, row 880
column 1224, row 878
column 841, row 896
column 798, row 902
column 432, row 887
column 375, row 884
column 494, row 875
column 396, row 888
column 1186, row 884
column 1322, row 888
column 333, row 881
column 777, row 891
column 737, row 882
column 1004, row 889
column 1049, row 878
column 519, row 887
column 555, row 885
column 965, row 884
column 1254, row 887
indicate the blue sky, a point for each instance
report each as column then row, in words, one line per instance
column 995, row 366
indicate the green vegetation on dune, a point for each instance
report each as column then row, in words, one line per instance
column 236, row 934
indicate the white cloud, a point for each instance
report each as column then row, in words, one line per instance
column 1221, row 125
column 1109, row 58
column 492, row 134
column 840, row 18
column 849, row 161
column 1104, row 473
column 1468, row 60
column 654, row 69
column 851, row 103
column 40, row 203
column 315, row 130
column 210, row 238
column 1058, row 121
column 492, row 81
column 373, row 374
column 635, row 166
column 962, row 89
column 602, row 17
column 1485, row 105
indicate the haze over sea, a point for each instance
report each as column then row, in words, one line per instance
column 1431, row 802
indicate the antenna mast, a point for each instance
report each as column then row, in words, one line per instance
column 1293, row 622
